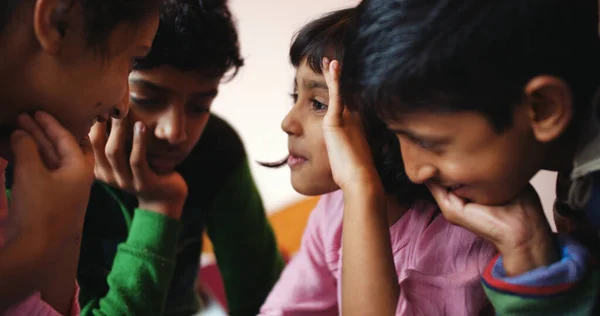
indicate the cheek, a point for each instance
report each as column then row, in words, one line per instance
column 195, row 129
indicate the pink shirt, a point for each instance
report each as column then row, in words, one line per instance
column 438, row 265
column 35, row 306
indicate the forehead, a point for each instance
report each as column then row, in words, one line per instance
column 175, row 80
column 429, row 122
column 306, row 78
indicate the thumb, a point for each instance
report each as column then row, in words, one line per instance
column 25, row 150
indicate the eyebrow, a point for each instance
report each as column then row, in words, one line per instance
column 413, row 135
column 145, row 84
column 314, row 84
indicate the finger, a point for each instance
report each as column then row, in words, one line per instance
column 116, row 153
column 26, row 154
column 97, row 137
column 138, row 159
column 67, row 148
column 331, row 72
column 450, row 205
column 478, row 219
column 45, row 146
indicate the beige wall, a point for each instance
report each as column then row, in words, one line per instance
column 256, row 101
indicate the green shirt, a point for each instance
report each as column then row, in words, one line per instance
column 135, row 262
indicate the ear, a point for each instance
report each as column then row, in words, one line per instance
column 50, row 23
column 550, row 104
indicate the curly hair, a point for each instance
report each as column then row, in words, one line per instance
column 195, row 35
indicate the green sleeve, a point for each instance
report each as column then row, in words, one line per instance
column 244, row 244
column 141, row 272
column 582, row 300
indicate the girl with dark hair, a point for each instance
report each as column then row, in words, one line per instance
column 63, row 65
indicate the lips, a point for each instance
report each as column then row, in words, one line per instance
column 163, row 163
column 295, row 159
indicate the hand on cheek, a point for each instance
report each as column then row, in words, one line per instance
column 519, row 230
column 349, row 153
column 160, row 193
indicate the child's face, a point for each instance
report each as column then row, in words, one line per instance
column 462, row 152
column 309, row 163
column 76, row 82
column 175, row 107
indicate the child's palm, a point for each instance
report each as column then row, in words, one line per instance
column 347, row 148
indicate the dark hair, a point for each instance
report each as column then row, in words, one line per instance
column 101, row 16
column 468, row 55
column 195, row 35
column 325, row 37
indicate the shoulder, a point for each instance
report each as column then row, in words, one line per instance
column 325, row 222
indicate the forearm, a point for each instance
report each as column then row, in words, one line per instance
column 20, row 266
column 369, row 280
column 58, row 283
column 141, row 272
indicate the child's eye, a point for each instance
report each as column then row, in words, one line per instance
column 199, row 109
column 318, row 106
column 144, row 102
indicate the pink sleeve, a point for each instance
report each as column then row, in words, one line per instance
column 34, row 305
column 447, row 278
column 306, row 286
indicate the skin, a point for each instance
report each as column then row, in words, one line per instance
column 480, row 178
column 169, row 112
column 48, row 66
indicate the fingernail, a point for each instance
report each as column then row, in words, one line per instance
column 326, row 62
column 335, row 65
column 139, row 127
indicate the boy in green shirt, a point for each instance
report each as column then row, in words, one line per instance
column 168, row 171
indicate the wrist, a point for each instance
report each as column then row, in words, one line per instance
column 531, row 256
column 364, row 182
column 172, row 209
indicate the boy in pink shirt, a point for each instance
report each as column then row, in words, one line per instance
column 437, row 264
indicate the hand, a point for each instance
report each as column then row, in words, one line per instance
column 349, row 154
column 164, row 194
column 49, row 200
column 519, row 230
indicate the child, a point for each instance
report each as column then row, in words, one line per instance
column 69, row 59
column 482, row 95
column 438, row 264
column 170, row 170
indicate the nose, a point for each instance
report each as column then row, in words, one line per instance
column 121, row 110
column 290, row 124
column 418, row 168
column 171, row 126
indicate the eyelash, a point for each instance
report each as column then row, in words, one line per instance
column 151, row 103
column 316, row 106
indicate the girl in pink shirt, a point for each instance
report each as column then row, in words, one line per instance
column 379, row 232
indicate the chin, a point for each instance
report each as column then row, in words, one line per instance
column 313, row 188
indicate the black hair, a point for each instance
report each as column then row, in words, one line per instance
column 101, row 16
column 468, row 55
column 325, row 37
column 195, row 35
